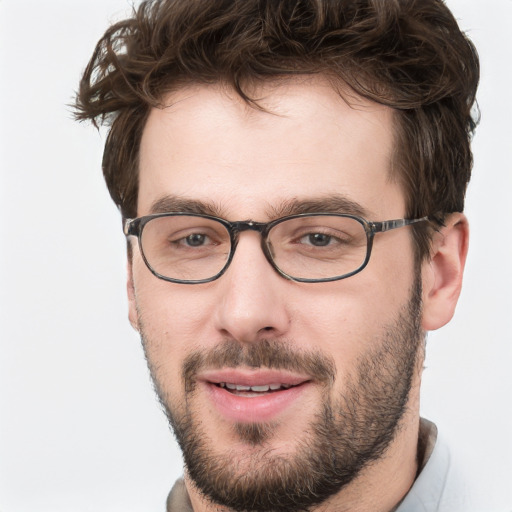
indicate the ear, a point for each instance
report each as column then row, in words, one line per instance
column 442, row 275
column 132, row 307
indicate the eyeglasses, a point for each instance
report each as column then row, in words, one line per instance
column 310, row 248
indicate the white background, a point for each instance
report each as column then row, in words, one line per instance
column 80, row 429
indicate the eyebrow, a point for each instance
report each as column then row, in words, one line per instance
column 170, row 203
column 334, row 203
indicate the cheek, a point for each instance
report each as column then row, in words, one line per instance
column 172, row 321
column 347, row 318
column 335, row 324
column 167, row 308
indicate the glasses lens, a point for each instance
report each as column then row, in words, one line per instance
column 185, row 247
column 318, row 246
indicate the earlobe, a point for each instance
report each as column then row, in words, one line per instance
column 442, row 275
column 132, row 307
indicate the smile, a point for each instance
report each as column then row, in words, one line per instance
column 253, row 391
column 254, row 395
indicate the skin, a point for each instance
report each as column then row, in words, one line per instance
column 207, row 145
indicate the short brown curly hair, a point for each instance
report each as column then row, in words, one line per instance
column 407, row 54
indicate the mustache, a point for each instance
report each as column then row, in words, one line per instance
column 267, row 353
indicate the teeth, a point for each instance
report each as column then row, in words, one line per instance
column 257, row 389
column 260, row 388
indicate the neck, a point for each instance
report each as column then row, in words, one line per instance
column 381, row 486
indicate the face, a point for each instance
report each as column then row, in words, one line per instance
column 322, row 372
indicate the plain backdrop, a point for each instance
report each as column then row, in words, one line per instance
column 80, row 429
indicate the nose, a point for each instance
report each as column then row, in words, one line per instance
column 252, row 296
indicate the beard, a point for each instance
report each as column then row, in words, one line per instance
column 351, row 429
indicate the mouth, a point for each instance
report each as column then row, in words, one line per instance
column 253, row 391
column 247, row 395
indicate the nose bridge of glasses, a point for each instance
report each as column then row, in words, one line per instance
column 248, row 225
column 261, row 228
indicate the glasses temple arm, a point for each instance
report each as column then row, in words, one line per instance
column 387, row 225
column 127, row 227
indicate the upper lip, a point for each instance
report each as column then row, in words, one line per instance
column 252, row 377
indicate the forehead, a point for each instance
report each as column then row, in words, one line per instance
column 307, row 141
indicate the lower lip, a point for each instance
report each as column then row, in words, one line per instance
column 254, row 409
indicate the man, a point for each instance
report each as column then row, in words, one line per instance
column 291, row 176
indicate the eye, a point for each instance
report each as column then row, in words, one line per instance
column 194, row 240
column 317, row 239
column 324, row 239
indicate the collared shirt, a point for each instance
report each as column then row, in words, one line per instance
column 429, row 492
column 178, row 500
column 437, row 487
